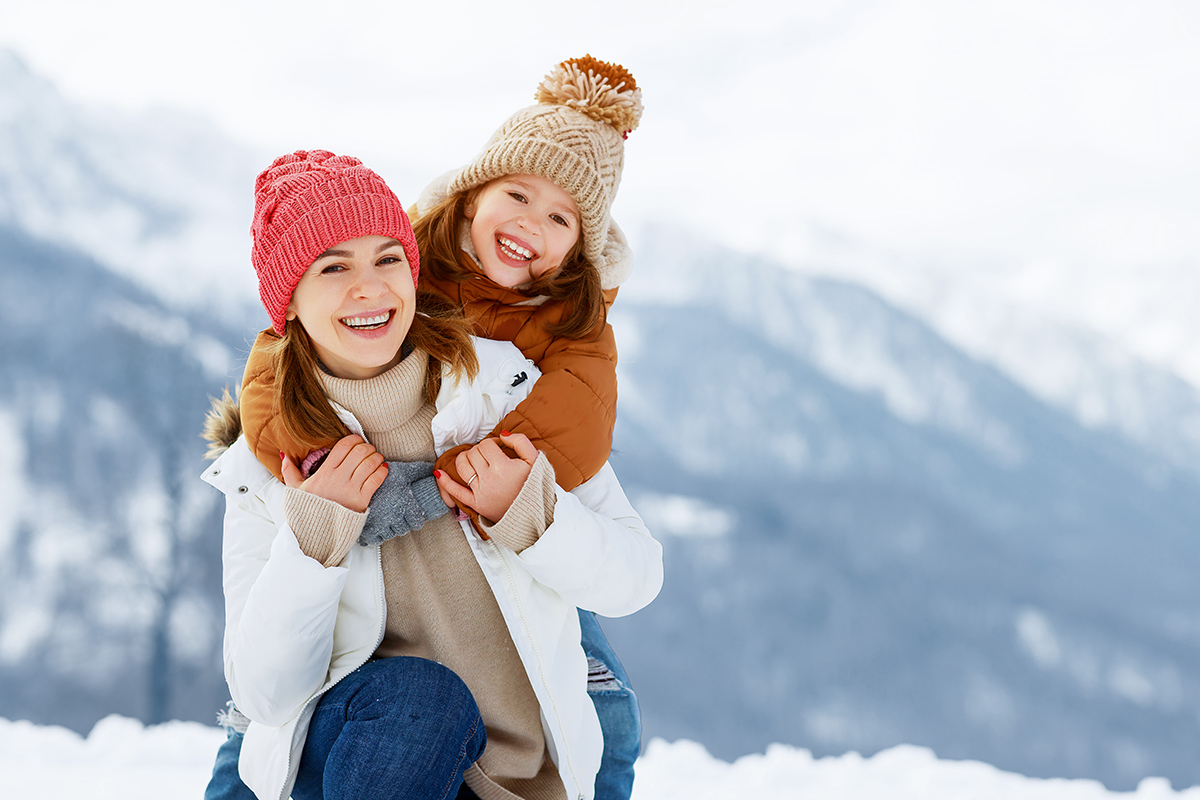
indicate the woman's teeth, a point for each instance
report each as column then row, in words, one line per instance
column 367, row 323
column 514, row 250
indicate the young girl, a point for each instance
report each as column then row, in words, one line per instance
column 401, row 666
column 522, row 240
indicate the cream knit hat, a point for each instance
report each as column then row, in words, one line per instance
column 574, row 136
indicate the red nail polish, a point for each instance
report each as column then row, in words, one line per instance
column 281, row 455
column 505, row 433
column 437, row 473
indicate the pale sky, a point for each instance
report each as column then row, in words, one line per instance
column 1036, row 129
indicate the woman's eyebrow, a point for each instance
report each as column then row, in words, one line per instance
column 334, row 252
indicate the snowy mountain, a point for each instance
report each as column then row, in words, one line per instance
column 1117, row 349
column 161, row 197
column 872, row 537
column 877, row 532
column 110, row 572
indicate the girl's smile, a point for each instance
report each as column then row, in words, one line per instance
column 522, row 227
column 357, row 301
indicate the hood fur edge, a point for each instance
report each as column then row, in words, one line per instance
column 222, row 424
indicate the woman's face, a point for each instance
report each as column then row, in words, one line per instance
column 522, row 227
column 357, row 302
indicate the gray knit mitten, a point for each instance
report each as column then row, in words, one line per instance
column 407, row 499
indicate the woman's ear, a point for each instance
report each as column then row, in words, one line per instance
column 291, row 311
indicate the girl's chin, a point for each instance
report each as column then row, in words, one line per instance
column 510, row 278
column 507, row 275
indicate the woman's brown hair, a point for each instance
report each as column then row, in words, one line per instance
column 576, row 282
column 438, row 328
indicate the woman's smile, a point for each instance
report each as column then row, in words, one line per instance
column 370, row 322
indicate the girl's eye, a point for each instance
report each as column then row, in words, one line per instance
column 520, row 198
column 561, row 220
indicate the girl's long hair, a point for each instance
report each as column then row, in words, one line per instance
column 576, row 282
column 438, row 328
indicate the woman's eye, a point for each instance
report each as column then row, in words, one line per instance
column 331, row 268
column 389, row 260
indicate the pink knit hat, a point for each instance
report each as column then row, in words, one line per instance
column 305, row 203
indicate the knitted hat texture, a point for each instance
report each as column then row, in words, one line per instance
column 305, row 203
column 574, row 136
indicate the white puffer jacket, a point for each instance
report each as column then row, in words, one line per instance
column 293, row 628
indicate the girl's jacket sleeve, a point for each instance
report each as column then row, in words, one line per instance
column 280, row 605
column 570, row 414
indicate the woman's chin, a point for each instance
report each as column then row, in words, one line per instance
column 363, row 359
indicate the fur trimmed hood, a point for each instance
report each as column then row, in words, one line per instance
column 222, row 425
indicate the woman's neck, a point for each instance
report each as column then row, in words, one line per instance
column 390, row 407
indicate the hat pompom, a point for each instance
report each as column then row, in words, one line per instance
column 605, row 92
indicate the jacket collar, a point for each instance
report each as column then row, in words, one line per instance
column 237, row 471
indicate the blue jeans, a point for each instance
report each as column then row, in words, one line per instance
column 397, row 728
column 225, row 783
column 616, row 706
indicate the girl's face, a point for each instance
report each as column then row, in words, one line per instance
column 523, row 227
column 357, row 302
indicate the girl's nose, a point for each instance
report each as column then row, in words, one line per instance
column 527, row 223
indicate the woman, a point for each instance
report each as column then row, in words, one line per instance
column 402, row 667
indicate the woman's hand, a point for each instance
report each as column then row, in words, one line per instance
column 351, row 473
column 493, row 478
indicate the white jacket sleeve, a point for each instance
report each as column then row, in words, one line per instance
column 597, row 554
column 280, row 605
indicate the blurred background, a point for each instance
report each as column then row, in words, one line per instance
column 909, row 374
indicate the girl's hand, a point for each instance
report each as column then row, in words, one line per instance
column 351, row 473
column 493, row 479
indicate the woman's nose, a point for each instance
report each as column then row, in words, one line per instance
column 369, row 284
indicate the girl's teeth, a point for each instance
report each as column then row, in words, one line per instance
column 514, row 250
column 366, row 322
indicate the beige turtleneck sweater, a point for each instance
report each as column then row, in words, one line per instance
column 439, row 605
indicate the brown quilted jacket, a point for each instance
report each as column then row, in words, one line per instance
column 260, row 418
column 571, row 411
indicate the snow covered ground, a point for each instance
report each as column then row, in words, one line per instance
column 123, row 759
